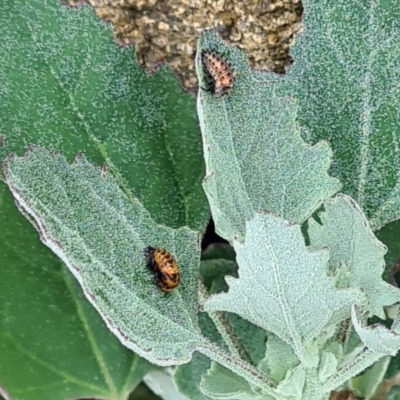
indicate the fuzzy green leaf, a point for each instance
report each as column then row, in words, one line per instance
column 188, row 376
column 92, row 226
column 161, row 383
column 367, row 383
column 276, row 270
column 255, row 157
column 354, row 248
column 345, row 78
column 220, row 383
column 377, row 338
column 66, row 85
column 279, row 359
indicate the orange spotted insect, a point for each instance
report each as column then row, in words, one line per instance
column 219, row 74
column 166, row 271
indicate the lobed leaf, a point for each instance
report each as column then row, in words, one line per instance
column 354, row 248
column 255, row 157
column 282, row 287
column 92, row 226
column 377, row 338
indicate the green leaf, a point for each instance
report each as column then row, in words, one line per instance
column 389, row 235
column 394, row 393
column 345, row 78
column 219, row 251
column 100, row 234
column 276, row 270
column 255, row 158
column 66, row 85
column 378, row 338
column 53, row 343
column 161, row 382
column 221, row 383
column 278, row 360
column 354, row 248
column 188, row 376
column 393, row 367
column 368, row 383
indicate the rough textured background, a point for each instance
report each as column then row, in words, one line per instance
column 167, row 30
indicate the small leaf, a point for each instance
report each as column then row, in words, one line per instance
column 345, row 77
column 187, row 377
column 162, row 384
column 221, row 383
column 394, row 393
column 293, row 385
column 376, row 337
column 255, row 158
column 277, row 271
column 346, row 233
column 367, row 383
column 278, row 360
column 100, row 235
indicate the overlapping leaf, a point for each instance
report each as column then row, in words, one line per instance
column 100, row 235
column 254, row 155
column 354, row 248
column 65, row 84
column 282, row 287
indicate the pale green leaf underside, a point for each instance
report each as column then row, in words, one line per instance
column 84, row 218
column 378, row 338
column 255, row 158
column 222, row 384
column 352, row 245
column 346, row 80
column 368, row 383
column 161, row 383
column 282, row 286
column 278, row 360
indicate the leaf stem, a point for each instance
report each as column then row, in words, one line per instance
column 364, row 360
column 225, row 330
column 240, row 367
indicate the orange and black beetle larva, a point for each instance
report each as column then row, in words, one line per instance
column 166, row 271
column 219, row 74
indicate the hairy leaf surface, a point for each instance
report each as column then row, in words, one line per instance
column 354, row 248
column 345, row 78
column 283, row 287
column 220, row 383
column 66, row 85
column 255, row 157
column 84, row 218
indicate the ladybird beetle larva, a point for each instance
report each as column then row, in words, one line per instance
column 166, row 271
column 219, row 73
